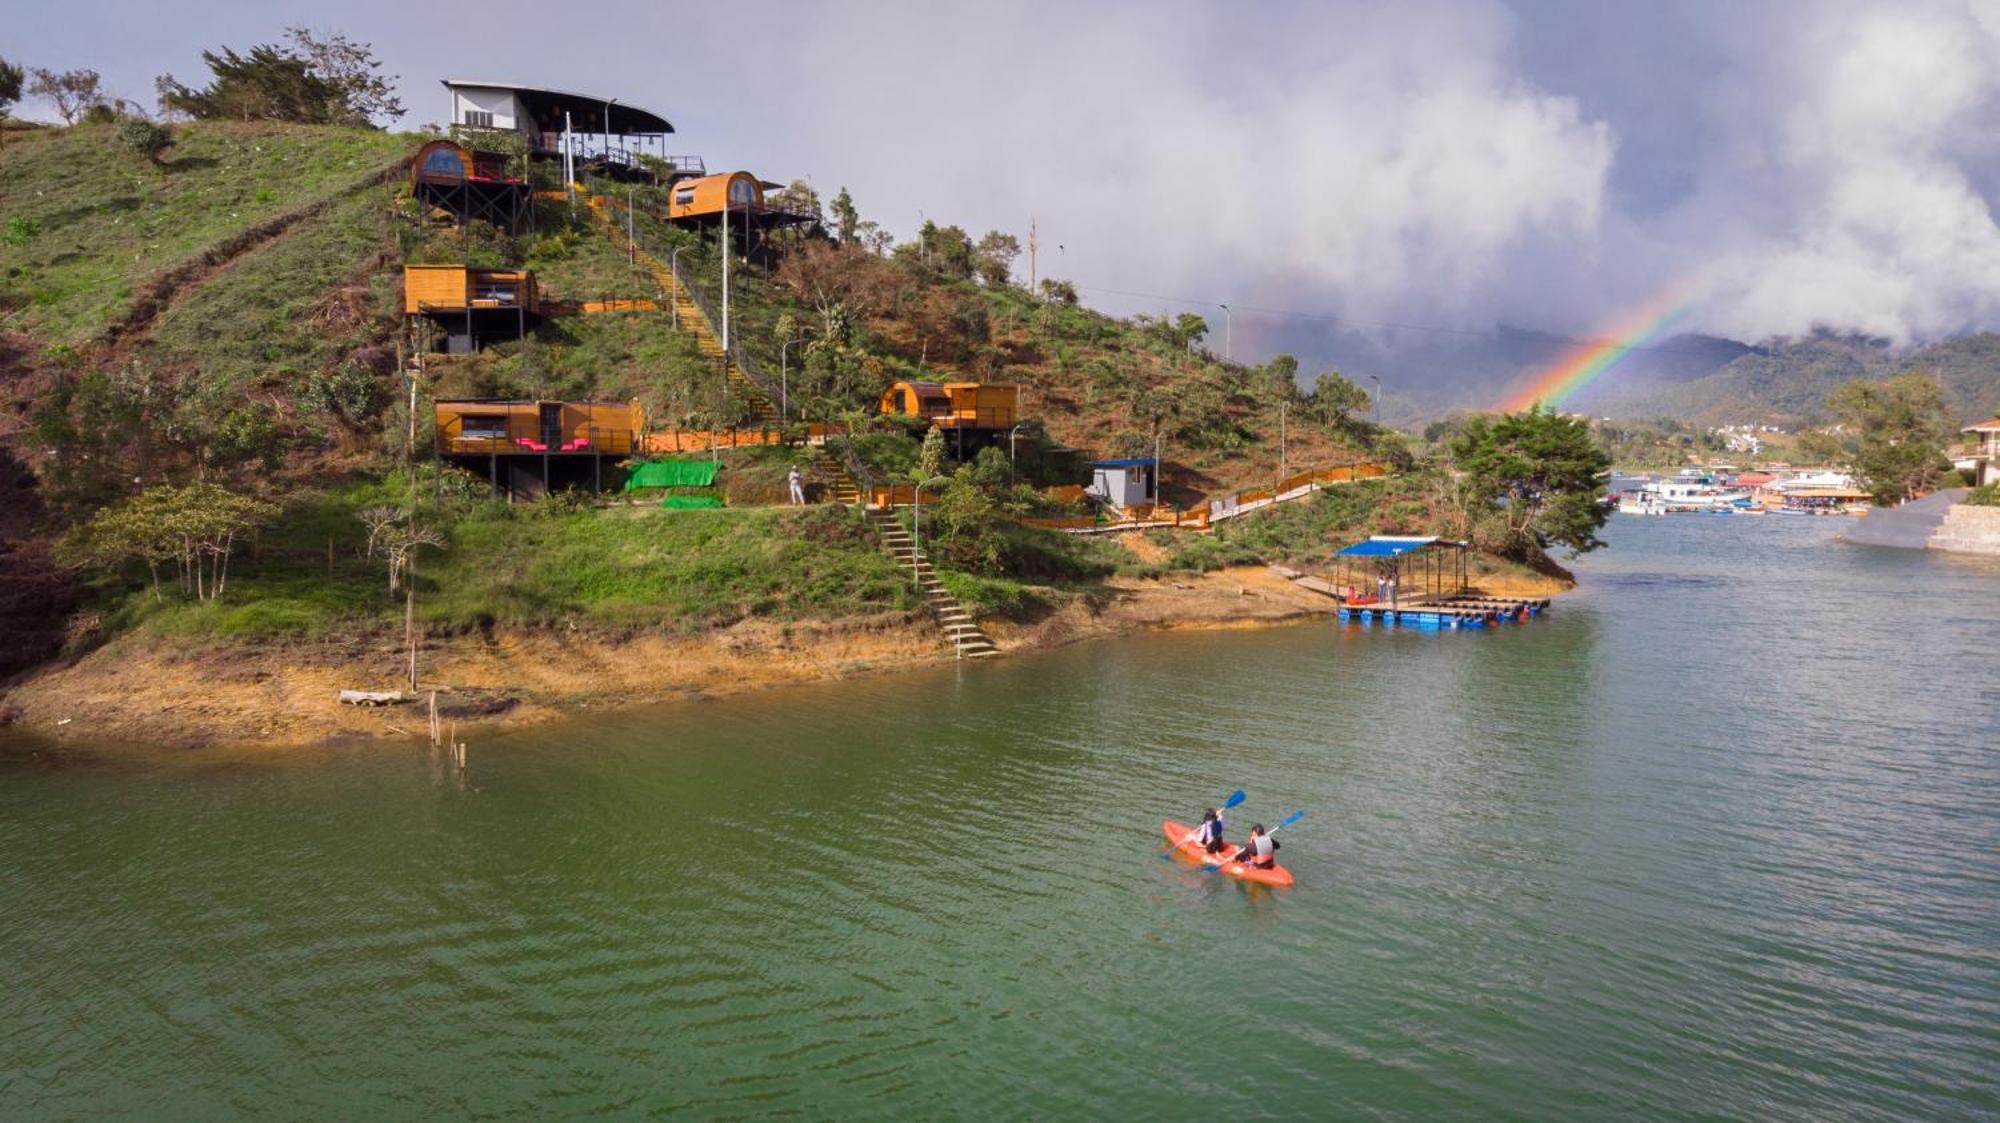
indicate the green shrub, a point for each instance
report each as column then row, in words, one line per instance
column 21, row 230
column 1988, row 496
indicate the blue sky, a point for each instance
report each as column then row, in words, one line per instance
column 1452, row 164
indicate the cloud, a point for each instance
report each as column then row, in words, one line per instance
column 1852, row 190
column 1358, row 159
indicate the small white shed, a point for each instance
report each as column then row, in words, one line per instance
column 1126, row 483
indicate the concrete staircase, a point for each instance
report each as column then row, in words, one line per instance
column 959, row 630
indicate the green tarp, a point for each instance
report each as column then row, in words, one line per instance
column 671, row 473
column 689, row 502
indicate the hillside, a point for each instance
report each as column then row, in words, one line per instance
column 234, row 315
column 1785, row 382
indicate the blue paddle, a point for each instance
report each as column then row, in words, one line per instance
column 1235, row 798
column 1289, row 819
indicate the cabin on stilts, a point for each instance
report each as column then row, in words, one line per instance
column 527, row 448
column 474, row 307
column 469, row 185
column 706, row 202
column 972, row 414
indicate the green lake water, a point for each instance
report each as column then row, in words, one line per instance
column 1717, row 837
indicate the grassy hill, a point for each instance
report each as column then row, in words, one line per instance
column 84, row 223
column 234, row 315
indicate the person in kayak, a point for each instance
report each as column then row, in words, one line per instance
column 1209, row 834
column 1260, row 851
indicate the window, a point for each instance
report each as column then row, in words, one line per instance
column 483, row 427
column 684, row 197
column 444, row 162
column 742, row 192
column 479, row 118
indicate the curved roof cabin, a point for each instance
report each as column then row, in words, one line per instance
column 956, row 405
column 704, row 196
column 470, row 184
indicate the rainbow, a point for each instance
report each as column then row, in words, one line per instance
column 1553, row 384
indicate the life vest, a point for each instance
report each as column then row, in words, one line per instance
column 1262, row 851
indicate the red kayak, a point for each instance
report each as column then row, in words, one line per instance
column 1192, row 852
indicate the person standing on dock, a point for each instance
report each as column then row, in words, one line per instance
column 798, row 487
column 1392, row 589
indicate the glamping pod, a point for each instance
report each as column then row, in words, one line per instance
column 475, row 307
column 469, row 185
column 529, row 447
column 706, row 196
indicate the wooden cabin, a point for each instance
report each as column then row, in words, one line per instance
column 531, row 447
column 474, row 306
column 956, row 405
column 471, row 185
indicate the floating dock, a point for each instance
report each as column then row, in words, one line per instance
column 1433, row 612
column 1447, row 615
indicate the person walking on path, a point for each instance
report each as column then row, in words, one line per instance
column 798, row 486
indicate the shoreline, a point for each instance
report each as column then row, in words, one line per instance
column 145, row 695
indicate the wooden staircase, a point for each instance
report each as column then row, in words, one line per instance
column 828, row 470
column 959, row 630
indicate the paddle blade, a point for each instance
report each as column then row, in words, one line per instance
column 1234, row 799
column 1290, row 819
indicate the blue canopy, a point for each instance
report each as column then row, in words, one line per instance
column 1130, row 462
column 1390, row 546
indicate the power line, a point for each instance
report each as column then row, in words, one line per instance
column 1428, row 329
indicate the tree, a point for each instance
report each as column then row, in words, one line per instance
column 846, row 219
column 147, row 138
column 930, row 458
column 1895, row 432
column 74, row 92
column 1059, row 292
column 798, row 196
column 194, row 527
column 997, row 252
column 1540, row 473
column 1191, row 327
column 1333, row 398
column 11, row 77
column 396, row 538
column 310, row 81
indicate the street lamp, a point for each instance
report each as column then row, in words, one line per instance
column 1228, row 354
column 784, row 381
column 1378, row 398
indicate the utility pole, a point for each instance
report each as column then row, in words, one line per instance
column 631, row 239
column 1228, row 334
column 1032, row 244
column 569, row 158
column 1282, row 407
column 1378, row 398
column 725, row 282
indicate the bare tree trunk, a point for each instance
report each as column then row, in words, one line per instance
column 410, row 617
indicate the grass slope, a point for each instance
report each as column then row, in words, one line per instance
column 544, row 565
column 86, row 220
